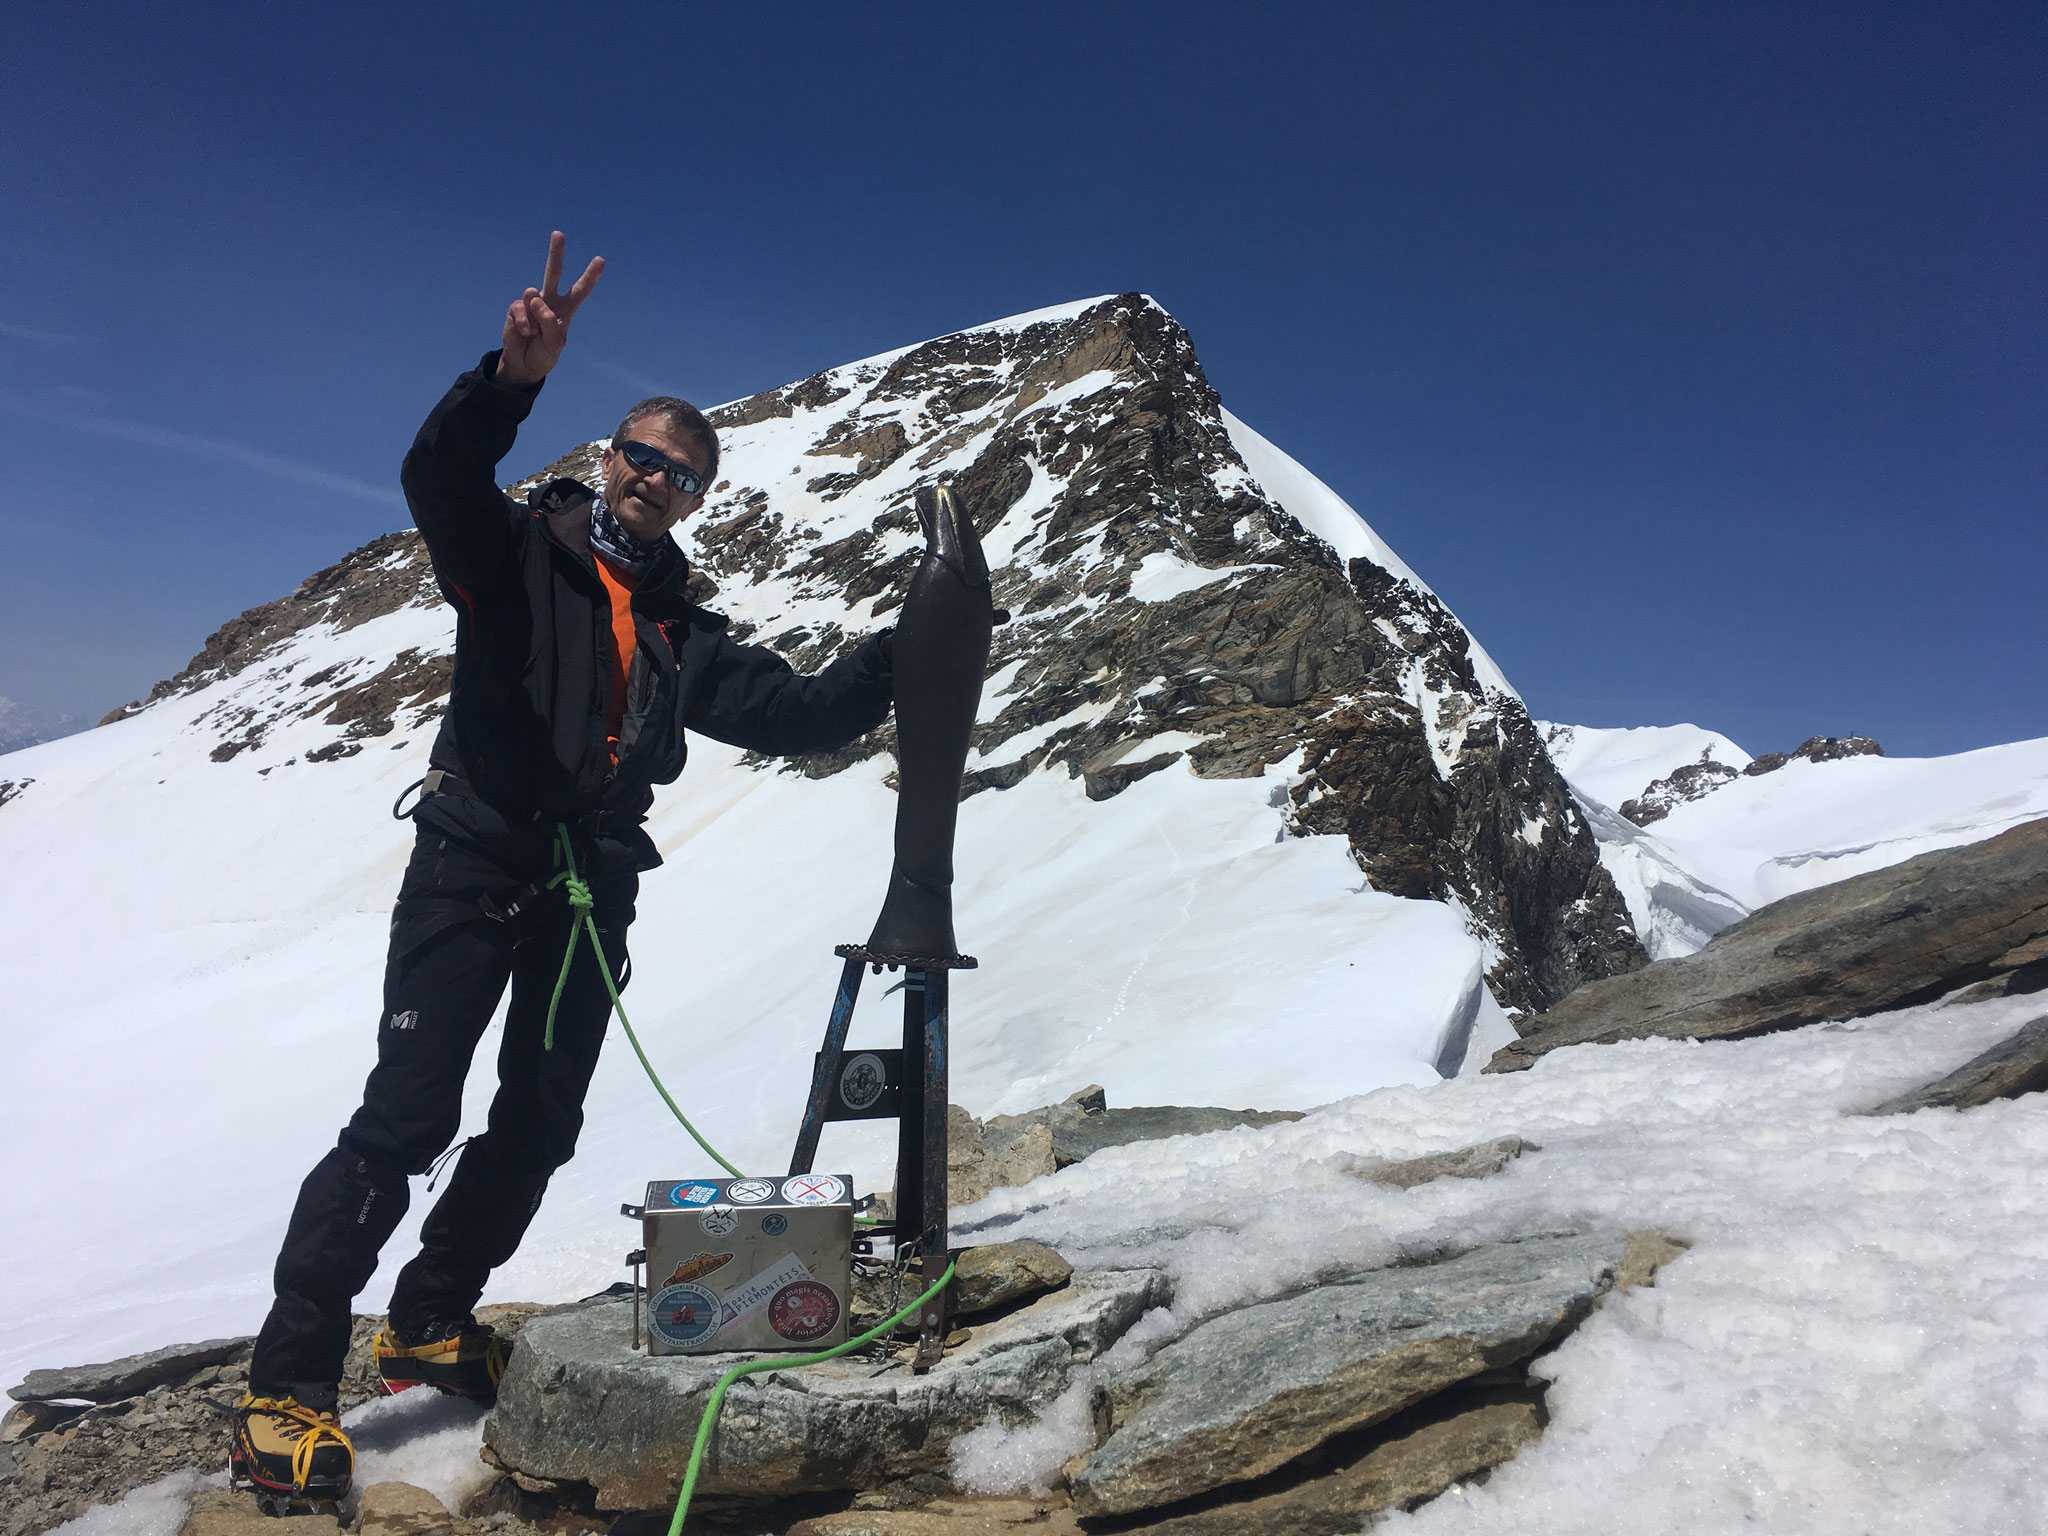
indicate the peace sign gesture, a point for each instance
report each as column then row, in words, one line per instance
column 537, row 324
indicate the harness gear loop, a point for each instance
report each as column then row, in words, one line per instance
column 581, row 922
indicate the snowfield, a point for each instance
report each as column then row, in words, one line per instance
column 1855, row 1344
column 1756, row 840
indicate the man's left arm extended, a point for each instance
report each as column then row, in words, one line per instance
column 752, row 698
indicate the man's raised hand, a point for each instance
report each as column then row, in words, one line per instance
column 537, row 324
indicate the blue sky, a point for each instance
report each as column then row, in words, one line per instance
column 1698, row 355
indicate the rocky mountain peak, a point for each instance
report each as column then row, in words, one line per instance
column 1169, row 609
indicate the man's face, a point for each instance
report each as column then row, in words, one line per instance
column 647, row 504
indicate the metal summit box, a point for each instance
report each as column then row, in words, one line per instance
column 748, row 1264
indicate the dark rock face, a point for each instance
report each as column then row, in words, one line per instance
column 1157, row 591
column 1887, row 939
column 1691, row 782
column 1816, row 749
column 2016, row 1065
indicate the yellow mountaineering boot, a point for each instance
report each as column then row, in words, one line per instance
column 464, row 1359
column 291, row 1455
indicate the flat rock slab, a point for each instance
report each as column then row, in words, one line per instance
column 578, row 1404
column 1048, row 1516
column 1400, row 1471
column 1077, row 1136
column 2016, row 1065
column 1248, row 1392
column 1887, row 939
column 129, row 1376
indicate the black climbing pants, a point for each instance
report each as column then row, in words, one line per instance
column 453, row 949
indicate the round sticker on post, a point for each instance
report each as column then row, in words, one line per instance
column 862, row 1081
column 803, row 1310
column 719, row 1221
column 749, row 1191
column 775, row 1224
column 813, row 1189
column 683, row 1314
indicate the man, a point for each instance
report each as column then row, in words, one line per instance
column 578, row 665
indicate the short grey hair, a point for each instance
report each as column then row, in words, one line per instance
column 683, row 419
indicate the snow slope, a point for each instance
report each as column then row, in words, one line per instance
column 1854, row 1346
column 1809, row 824
column 1614, row 766
column 1753, row 840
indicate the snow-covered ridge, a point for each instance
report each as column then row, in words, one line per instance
column 1756, row 838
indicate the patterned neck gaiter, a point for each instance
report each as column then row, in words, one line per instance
column 608, row 536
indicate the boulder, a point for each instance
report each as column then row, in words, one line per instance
column 1002, row 1273
column 1398, row 1471
column 578, row 1404
column 2016, row 1065
column 1474, row 1162
column 1250, row 1391
column 1887, row 939
column 219, row 1512
column 130, row 1375
column 400, row 1509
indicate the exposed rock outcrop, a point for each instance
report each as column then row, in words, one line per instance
column 579, row 1405
column 1816, row 749
column 1248, row 1392
column 1888, row 939
column 2016, row 1065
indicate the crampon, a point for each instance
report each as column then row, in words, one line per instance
column 295, row 1459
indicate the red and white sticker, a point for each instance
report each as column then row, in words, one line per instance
column 803, row 1310
column 813, row 1189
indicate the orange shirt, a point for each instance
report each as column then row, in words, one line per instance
column 625, row 640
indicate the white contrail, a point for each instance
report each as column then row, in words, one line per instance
column 204, row 448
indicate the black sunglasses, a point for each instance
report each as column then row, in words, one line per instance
column 649, row 460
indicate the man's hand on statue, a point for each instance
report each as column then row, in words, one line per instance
column 537, row 324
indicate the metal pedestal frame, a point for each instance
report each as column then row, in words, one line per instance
column 914, row 1094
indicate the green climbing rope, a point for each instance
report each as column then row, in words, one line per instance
column 753, row 1367
column 580, row 922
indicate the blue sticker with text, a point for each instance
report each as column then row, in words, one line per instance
column 687, row 1195
column 683, row 1314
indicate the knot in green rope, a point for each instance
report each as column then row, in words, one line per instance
column 580, row 923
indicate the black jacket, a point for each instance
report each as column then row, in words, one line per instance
column 526, row 720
